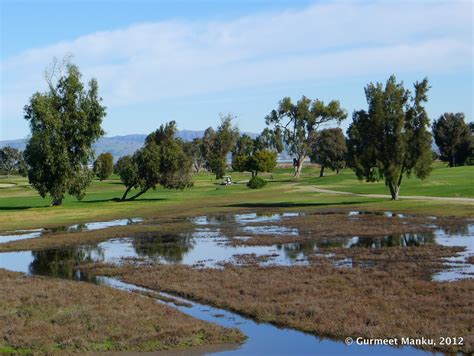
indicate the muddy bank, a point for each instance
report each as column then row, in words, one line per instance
column 43, row 315
column 323, row 299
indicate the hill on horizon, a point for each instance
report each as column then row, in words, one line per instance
column 119, row 146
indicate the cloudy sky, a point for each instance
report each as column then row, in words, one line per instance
column 191, row 60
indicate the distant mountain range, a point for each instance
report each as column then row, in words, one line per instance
column 126, row 145
column 119, row 145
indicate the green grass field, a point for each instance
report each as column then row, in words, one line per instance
column 443, row 182
column 22, row 207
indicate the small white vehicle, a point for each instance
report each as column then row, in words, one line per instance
column 227, row 180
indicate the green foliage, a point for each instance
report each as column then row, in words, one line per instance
column 127, row 169
column 163, row 160
column 249, row 155
column 270, row 140
column 454, row 138
column 391, row 138
column 12, row 161
column 64, row 122
column 262, row 161
column 104, row 165
column 195, row 151
column 256, row 183
column 298, row 122
column 328, row 148
column 217, row 145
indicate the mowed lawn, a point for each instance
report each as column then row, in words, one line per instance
column 22, row 207
column 443, row 182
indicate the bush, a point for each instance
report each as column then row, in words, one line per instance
column 256, row 183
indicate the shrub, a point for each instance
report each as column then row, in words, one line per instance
column 256, row 183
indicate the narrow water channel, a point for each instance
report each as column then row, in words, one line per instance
column 207, row 246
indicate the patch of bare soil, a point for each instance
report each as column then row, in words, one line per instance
column 43, row 315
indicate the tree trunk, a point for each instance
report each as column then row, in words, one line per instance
column 321, row 172
column 138, row 194
column 126, row 192
column 57, row 202
column 394, row 190
column 298, row 164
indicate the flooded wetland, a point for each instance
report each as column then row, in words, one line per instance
column 305, row 280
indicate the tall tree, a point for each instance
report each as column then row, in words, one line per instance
column 299, row 121
column 391, row 139
column 64, row 122
column 250, row 155
column 220, row 142
column 328, row 149
column 162, row 160
column 194, row 150
column 11, row 161
column 104, row 165
column 453, row 137
column 271, row 140
column 126, row 167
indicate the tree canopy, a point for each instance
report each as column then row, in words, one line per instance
column 391, row 139
column 297, row 123
column 453, row 138
column 217, row 145
column 195, row 151
column 250, row 155
column 104, row 165
column 12, row 161
column 64, row 121
column 161, row 161
column 328, row 149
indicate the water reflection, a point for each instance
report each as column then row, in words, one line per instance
column 402, row 240
column 209, row 246
column 63, row 263
column 170, row 248
column 34, row 233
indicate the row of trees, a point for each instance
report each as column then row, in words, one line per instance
column 389, row 140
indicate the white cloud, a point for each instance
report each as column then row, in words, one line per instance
column 155, row 61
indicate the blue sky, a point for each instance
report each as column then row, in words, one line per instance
column 191, row 60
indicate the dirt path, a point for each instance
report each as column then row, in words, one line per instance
column 414, row 197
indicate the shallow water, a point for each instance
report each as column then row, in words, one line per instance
column 208, row 246
column 34, row 233
column 463, row 236
column 266, row 339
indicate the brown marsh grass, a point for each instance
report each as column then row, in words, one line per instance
column 43, row 315
column 391, row 301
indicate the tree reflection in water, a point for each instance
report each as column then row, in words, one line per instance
column 403, row 240
column 63, row 263
column 170, row 248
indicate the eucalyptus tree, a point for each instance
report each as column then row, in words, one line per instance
column 250, row 155
column 391, row 139
column 12, row 161
column 104, row 165
column 194, row 150
column 299, row 121
column 218, row 144
column 328, row 149
column 161, row 161
column 65, row 121
column 453, row 138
